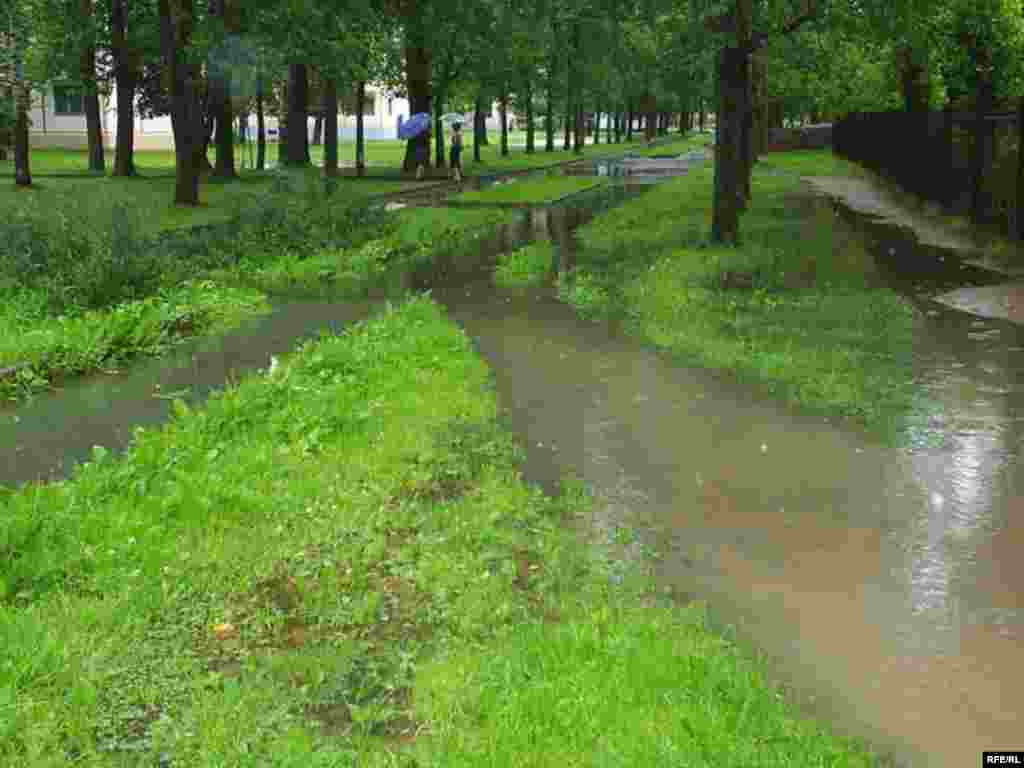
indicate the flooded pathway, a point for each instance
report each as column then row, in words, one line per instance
column 884, row 585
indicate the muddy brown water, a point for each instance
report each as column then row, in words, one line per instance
column 884, row 585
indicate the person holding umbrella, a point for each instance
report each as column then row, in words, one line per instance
column 414, row 127
column 457, row 152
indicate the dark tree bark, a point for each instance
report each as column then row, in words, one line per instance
column 91, row 94
column 629, row 124
column 261, row 128
column 296, row 136
column 220, row 84
column 530, row 127
column 418, row 75
column 579, row 132
column 503, row 108
column 608, row 126
column 176, row 23
column 318, row 130
column 126, row 63
column 331, row 128
column 728, row 189
column 22, row 172
column 1019, row 233
column 701, row 116
column 567, row 128
column 649, row 105
column 549, row 116
column 981, row 143
column 360, row 132
column 618, row 126
column 914, row 79
column 479, row 125
column 440, row 99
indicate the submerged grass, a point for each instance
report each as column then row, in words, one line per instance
column 796, row 306
column 38, row 348
column 525, row 191
column 337, row 564
column 412, row 237
column 525, row 266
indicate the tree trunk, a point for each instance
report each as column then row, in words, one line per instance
column 479, row 126
column 608, row 126
column 579, row 132
column 22, row 172
column 220, row 84
column 125, row 78
column 296, row 137
column 597, row 125
column 914, row 79
column 629, row 124
column 728, row 187
column 331, row 128
column 261, row 128
column 549, row 117
column 225, row 161
column 439, row 105
column 747, row 134
column 503, row 107
column 1019, row 233
column 568, row 127
column 90, row 95
column 700, row 115
column 530, row 128
column 980, row 145
column 186, row 104
column 318, row 130
column 418, row 76
column 360, row 129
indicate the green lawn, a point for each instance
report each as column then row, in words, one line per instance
column 525, row 191
column 152, row 197
column 795, row 306
column 334, row 564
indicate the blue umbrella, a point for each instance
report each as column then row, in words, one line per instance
column 414, row 126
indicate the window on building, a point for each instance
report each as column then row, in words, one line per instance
column 67, row 100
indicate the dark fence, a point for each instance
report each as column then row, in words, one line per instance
column 929, row 154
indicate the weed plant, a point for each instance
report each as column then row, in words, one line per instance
column 525, row 266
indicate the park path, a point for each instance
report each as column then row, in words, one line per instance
column 884, row 585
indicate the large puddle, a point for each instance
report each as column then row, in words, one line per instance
column 884, row 585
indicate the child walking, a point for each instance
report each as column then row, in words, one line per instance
column 457, row 152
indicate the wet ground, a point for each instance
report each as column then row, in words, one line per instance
column 884, row 585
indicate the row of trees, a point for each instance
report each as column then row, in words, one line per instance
column 755, row 62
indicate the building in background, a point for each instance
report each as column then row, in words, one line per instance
column 58, row 119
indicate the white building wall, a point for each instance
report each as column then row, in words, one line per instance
column 69, row 131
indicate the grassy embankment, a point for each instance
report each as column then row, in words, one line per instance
column 546, row 189
column 80, row 296
column 794, row 307
column 336, row 564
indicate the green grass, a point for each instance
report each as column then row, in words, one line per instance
column 794, row 307
column 415, row 236
column 679, row 146
column 616, row 683
column 526, row 191
column 526, row 265
column 152, row 198
column 333, row 556
column 53, row 347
